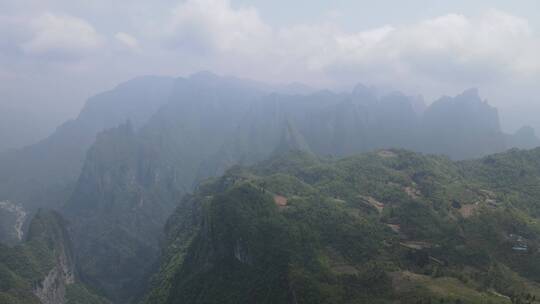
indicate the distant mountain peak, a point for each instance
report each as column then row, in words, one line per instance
column 204, row 75
column 471, row 93
column 524, row 138
column 418, row 103
column 364, row 92
column 526, row 130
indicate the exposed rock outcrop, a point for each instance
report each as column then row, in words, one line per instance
column 52, row 290
column 48, row 230
column 19, row 216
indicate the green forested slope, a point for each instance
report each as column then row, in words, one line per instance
column 384, row 227
column 42, row 270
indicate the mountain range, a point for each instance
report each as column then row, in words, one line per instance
column 146, row 155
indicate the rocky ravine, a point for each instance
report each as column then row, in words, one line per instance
column 52, row 290
column 20, row 217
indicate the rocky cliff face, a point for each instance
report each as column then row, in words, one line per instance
column 117, row 211
column 42, row 269
column 41, row 175
column 133, row 179
column 52, row 289
column 48, row 229
column 524, row 138
column 462, row 127
column 12, row 217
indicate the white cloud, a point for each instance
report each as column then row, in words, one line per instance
column 449, row 48
column 212, row 25
column 453, row 49
column 127, row 40
column 61, row 37
column 494, row 42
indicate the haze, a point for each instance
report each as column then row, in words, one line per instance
column 54, row 54
column 269, row 152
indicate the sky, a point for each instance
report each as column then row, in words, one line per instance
column 54, row 54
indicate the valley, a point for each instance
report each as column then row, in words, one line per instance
column 211, row 189
column 269, row 152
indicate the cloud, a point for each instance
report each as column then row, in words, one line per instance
column 494, row 44
column 453, row 48
column 61, row 37
column 212, row 25
column 127, row 40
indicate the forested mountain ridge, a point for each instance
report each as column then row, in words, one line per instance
column 42, row 269
column 43, row 174
column 133, row 178
column 118, row 181
column 373, row 228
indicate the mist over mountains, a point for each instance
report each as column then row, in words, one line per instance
column 269, row 152
column 119, row 170
column 253, row 116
